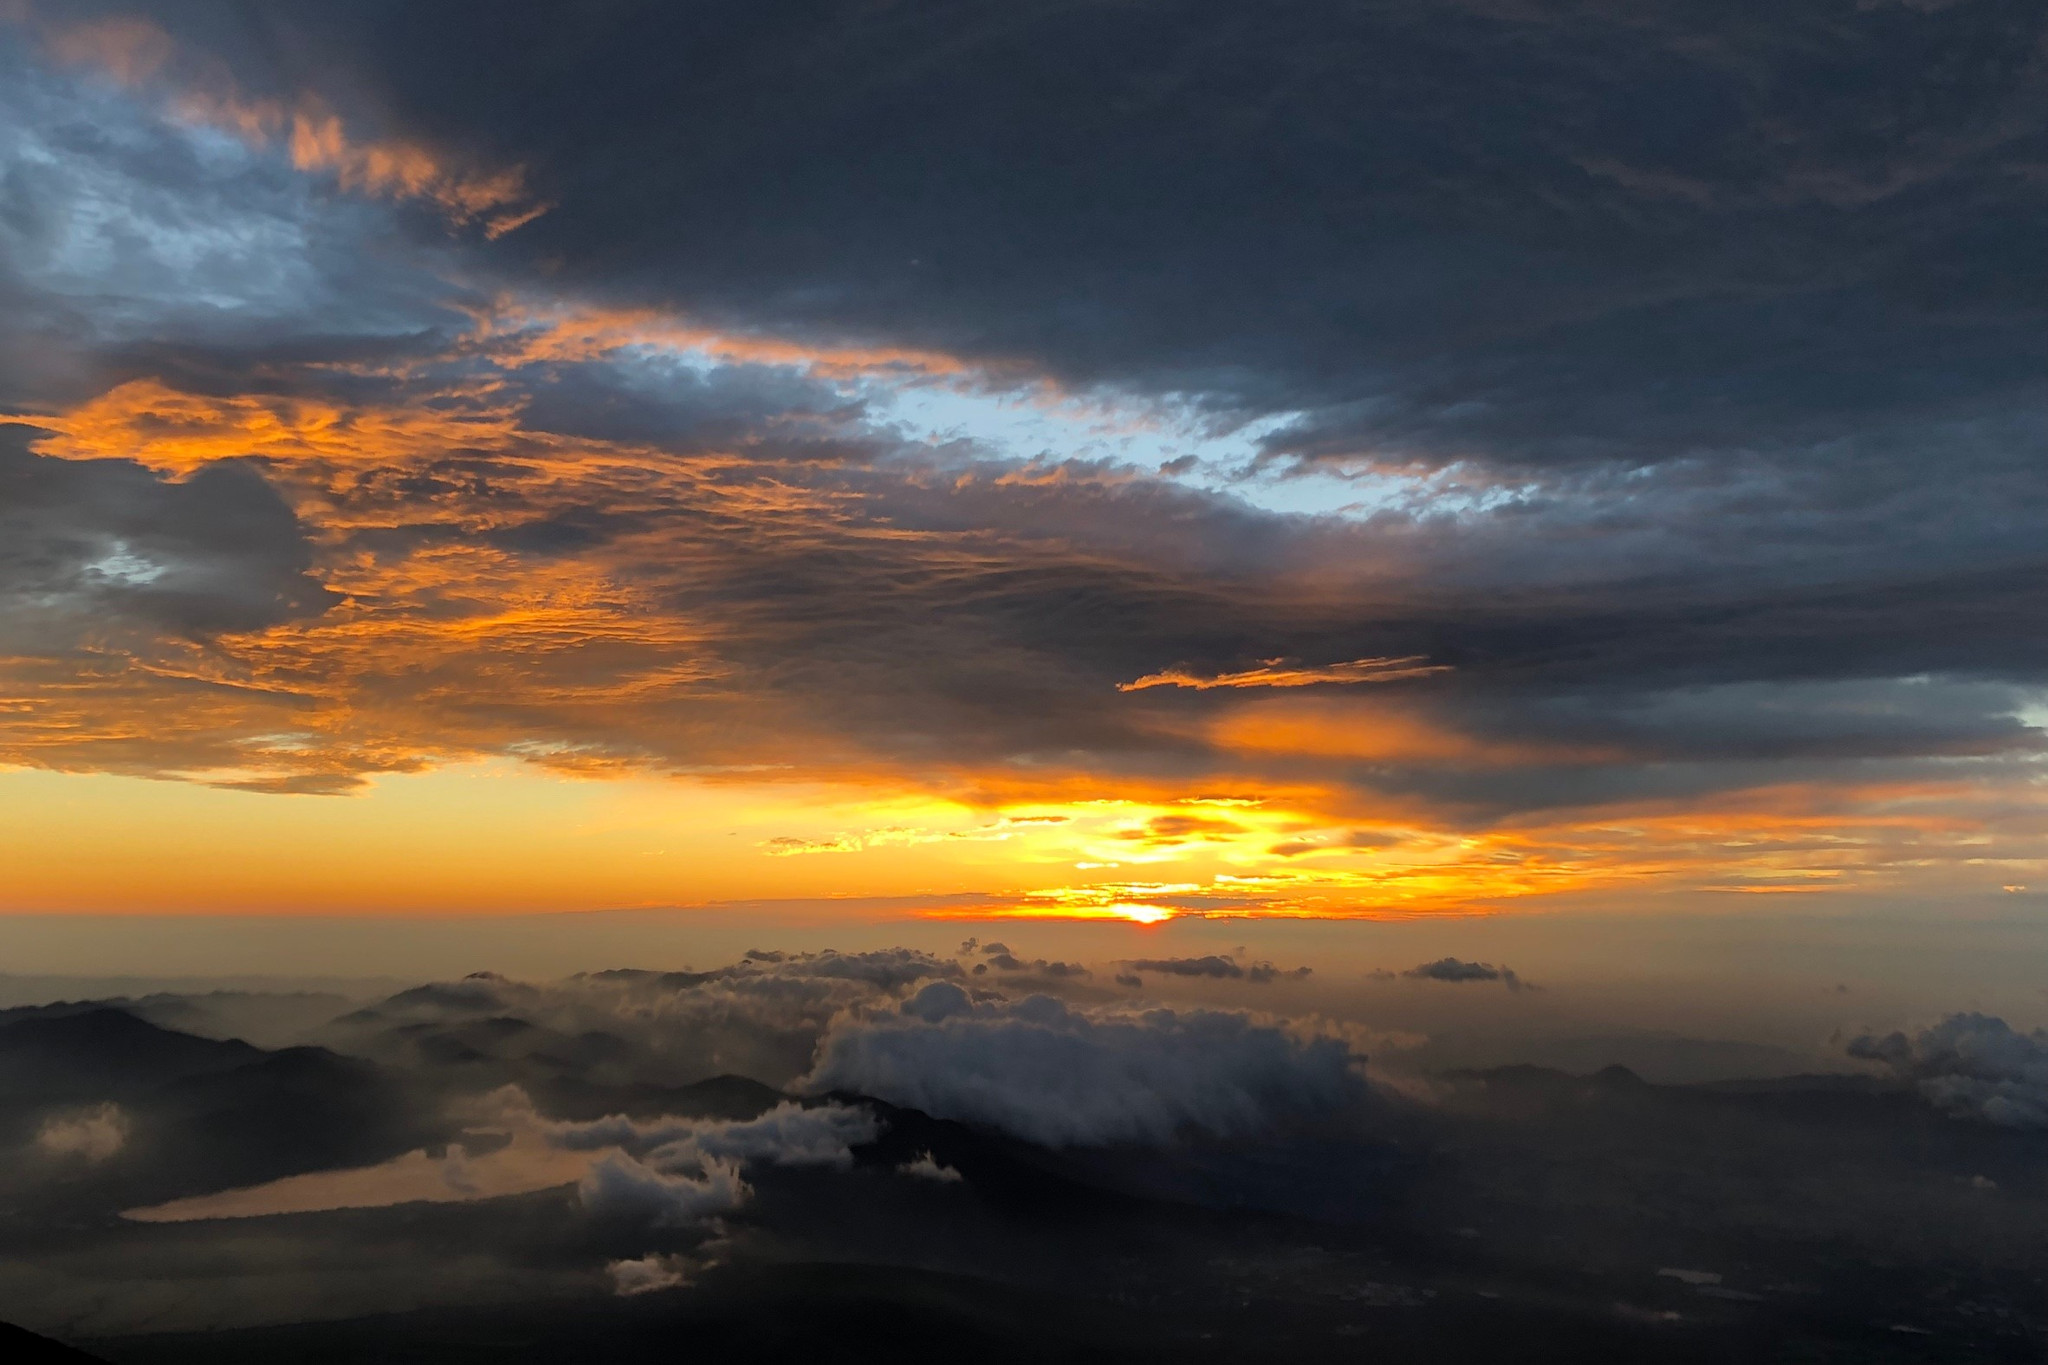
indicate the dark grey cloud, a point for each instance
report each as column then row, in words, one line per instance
column 1525, row 234
column 766, row 412
column 1456, row 971
column 1036, row 967
column 1215, row 966
column 1212, row 965
column 85, row 543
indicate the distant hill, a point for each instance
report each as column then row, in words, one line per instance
column 21, row 1347
column 102, row 1054
column 195, row 1114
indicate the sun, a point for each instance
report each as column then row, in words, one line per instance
column 1141, row 913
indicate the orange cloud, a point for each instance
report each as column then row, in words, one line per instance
column 516, row 332
column 1285, row 673
column 437, row 646
column 178, row 433
column 1370, row 732
column 649, row 650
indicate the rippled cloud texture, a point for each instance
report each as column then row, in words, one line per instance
column 1410, row 456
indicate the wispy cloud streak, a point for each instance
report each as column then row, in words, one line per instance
column 1288, row 673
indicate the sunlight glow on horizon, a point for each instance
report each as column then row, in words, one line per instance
column 506, row 836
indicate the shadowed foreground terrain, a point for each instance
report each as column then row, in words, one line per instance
column 504, row 1171
column 871, row 1313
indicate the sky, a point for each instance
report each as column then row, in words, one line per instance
column 1157, row 464
column 1192, row 679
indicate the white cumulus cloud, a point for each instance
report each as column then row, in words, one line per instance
column 1972, row 1066
column 622, row 1184
column 1070, row 1077
column 927, row 1167
column 675, row 1171
column 647, row 1274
